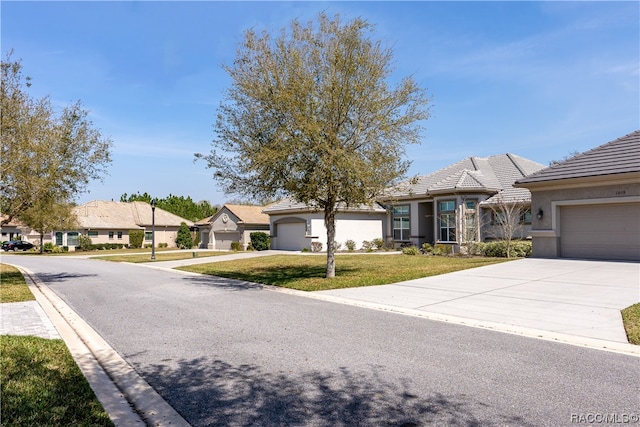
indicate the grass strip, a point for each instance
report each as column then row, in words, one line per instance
column 171, row 256
column 631, row 321
column 43, row 386
column 306, row 273
column 13, row 287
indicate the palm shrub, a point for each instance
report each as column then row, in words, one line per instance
column 351, row 245
column 378, row 243
column 260, row 241
column 410, row 250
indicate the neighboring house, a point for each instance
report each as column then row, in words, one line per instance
column 589, row 206
column 460, row 203
column 17, row 230
column 294, row 226
column 110, row 222
column 232, row 223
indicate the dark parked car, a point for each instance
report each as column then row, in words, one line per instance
column 15, row 245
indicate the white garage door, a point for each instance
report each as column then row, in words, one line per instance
column 610, row 231
column 291, row 236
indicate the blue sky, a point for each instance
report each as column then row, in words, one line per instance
column 537, row 79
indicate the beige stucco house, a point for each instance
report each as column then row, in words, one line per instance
column 232, row 223
column 16, row 229
column 110, row 222
column 294, row 226
column 459, row 203
column 589, row 206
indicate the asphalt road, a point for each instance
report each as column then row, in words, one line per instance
column 224, row 353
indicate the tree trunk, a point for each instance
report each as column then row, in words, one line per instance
column 330, row 225
column 41, row 243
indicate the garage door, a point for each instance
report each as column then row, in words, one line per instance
column 610, row 231
column 291, row 236
column 224, row 239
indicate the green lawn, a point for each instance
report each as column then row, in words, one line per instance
column 43, row 386
column 13, row 287
column 306, row 273
column 169, row 256
column 41, row 383
column 631, row 320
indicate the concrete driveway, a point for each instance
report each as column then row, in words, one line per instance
column 569, row 300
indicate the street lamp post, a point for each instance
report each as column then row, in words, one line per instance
column 153, row 229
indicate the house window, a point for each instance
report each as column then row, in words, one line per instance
column 447, row 220
column 119, row 235
column 401, row 223
column 111, row 235
column 58, row 238
column 72, row 239
column 148, row 235
column 525, row 216
column 470, row 232
column 92, row 234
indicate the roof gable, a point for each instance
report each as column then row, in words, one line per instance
column 615, row 157
column 249, row 214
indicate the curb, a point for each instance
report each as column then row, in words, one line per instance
column 125, row 395
column 592, row 343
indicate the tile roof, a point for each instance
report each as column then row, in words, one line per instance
column 485, row 174
column 289, row 205
column 100, row 214
column 619, row 156
column 249, row 214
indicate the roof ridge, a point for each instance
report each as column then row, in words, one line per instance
column 513, row 160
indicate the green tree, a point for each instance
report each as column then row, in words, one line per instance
column 311, row 115
column 46, row 215
column 46, row 155
column 182, row 206
column 183, row 239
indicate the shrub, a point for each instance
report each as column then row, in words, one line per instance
column 163, row 245
column 410, row 250
column 146, row 246
column 84, row 243
column 48, row 247
column 316, row 246
column 367, row 246
column 305, row 250
column 378, row 243
column 426, row 248
column 498, row 248
column 337, row 245
column 136, row 237
column 260, row 241
column 236, row 246
column 351, row 245
column 183, row 238
column 440, row 249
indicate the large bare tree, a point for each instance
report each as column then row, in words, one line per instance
column 312, row 114
column 46, row 155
